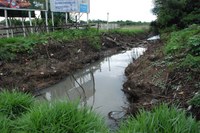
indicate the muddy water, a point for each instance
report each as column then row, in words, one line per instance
column 99, row 85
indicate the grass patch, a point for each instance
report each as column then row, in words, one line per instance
column 18, row 113
column 195, row 101
column 5, row 124
column 185, row 44
column 14, row 104
column 161, row 119
column 9, row 47
column 60, row 117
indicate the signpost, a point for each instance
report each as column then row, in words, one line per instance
column 23, row 5
column 79, row 6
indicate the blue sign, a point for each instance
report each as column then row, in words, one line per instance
column 83, row 8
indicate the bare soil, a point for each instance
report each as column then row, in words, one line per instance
column 151, row 81
column 50, row 63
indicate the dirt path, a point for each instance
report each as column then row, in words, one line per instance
column 151, row 81
column 50, row 63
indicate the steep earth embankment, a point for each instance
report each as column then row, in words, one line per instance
column 152, row 81
column 51, row 62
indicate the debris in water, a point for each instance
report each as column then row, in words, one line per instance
column 42, row 73
column 116, row 115
column 154, row 38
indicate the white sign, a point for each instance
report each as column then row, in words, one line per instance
column 70, row 6
column 64, row 5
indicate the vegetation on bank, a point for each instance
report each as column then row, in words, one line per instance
column 20, row 113
column 183, row 48
column 9, row 47
column 63, row 116
column 176, row 14
column 161, row 119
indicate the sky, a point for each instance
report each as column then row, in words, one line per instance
column 135, row 10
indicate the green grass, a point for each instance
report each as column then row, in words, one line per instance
column 5, row 124
column 18, row 113
column 9, row 47
column 14, row 104
column 60, row 117
column 161, row 119
column 185, row 44
column 195, row 101
column 69, row 117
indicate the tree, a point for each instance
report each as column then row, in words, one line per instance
column 178, row 13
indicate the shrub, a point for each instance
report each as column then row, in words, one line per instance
column 160, row 120
column 14, row 104
column 60, row 117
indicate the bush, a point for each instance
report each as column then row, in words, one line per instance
column 161, row 120
column 60, row 117
column 14, row 104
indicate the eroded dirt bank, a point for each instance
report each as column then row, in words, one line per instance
column 152, row 81
column 52, row 62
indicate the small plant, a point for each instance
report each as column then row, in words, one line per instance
column 61, row 117
column 161, row 119
column 14, row 104
column 191, row 61
column 195, row 101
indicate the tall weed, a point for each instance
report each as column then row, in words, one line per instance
column 161, row 120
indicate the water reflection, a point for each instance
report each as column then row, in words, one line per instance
column 99, row 85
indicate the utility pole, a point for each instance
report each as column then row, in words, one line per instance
column 107, row 20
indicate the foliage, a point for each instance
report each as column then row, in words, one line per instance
column 191, row 61
column 9, row 47
column 61, row 117
column 185, row 44
column 195, row 100
column 161, row 119
column 176, row 13
column 14, row 104
column 5, row 124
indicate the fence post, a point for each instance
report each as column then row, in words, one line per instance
column 6, row 19
column 46, row 19
column 30, row 21
column 52, row 19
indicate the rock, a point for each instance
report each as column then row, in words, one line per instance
column 153, row 57
column 154, row 101
column 1, row 63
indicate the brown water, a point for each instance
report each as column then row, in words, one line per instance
column 98, row 86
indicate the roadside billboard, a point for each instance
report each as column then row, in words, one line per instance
column 64, row 5
column 84, row 6
column 24, row 4
column 70, row 6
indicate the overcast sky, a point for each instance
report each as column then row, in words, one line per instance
column 135, row 10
